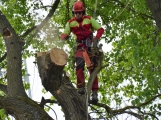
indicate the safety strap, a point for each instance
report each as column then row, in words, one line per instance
column 86, row 59
column 87, row 41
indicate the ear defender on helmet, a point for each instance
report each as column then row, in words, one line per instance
column 78, row 7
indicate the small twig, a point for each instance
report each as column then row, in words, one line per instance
column 123, row 110
column 44, row 101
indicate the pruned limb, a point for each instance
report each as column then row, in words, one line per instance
column 55, row 80
column 51, row 65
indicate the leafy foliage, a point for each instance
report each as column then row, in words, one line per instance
column 133, row 74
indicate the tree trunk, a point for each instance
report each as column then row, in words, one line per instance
column 155, row 8
column 14, row 59
column 55, row 80
column 16, row 101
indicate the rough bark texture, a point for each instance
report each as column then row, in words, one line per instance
column 155, row 8
column 51, row 65
column 16, row 102
column 14, row 60
column 55, row 81
column 23, row 108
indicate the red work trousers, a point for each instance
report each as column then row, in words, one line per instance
column 80, row 64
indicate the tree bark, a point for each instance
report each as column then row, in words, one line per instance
column 51, row 65
column 54, row 78
column 16, row 101
column 155, row 8
column 23, row 108
column 55, row 81
column 14, row 59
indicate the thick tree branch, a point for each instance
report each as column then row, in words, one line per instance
column 23, row 108
column 55, row 80
column 107, row 108
column 40, row 26
column 140, row 117
column 13, row 47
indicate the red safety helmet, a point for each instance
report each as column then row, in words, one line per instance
column 78, row 7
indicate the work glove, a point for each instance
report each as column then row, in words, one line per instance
column 64, row 37
column 95, row 41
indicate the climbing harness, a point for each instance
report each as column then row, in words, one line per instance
column 87, row 42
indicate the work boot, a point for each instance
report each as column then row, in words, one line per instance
column 81, row 91
column 94, row 96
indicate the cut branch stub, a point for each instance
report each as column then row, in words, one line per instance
column 58, row 56
column 50, row 66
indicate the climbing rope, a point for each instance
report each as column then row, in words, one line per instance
column 121, row 12
column 94, row 14
column 86, row 91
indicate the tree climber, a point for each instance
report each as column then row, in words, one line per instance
column 82, row 26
